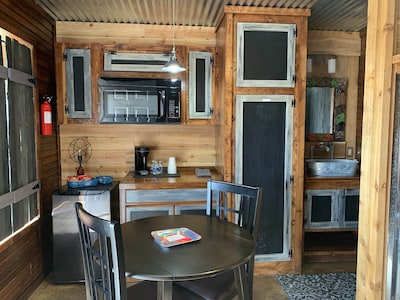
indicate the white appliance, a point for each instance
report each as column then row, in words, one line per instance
column 67, row 256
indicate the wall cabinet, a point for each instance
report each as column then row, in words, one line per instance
column 331, row 209
column 265, row 44
column 200, row 85
column 78, row 83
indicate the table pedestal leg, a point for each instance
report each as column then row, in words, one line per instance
column 242, row 286
column 164, row 290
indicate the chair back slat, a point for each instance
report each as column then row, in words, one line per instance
column 236, row 203
column 103, row 257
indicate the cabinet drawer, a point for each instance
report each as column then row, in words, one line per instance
column 145, row 196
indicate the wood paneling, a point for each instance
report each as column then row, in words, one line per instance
column 376, row 151
column 334, row 43
column 346, row 47
column 151, row 35
column 26, row 258
column 113, row 146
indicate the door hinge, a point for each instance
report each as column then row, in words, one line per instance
column 291, row 179
column 66, row 109
column 65, row 56
column 290, row 253
column 295, row 32
column 294, row 79
column 294, row 103
column 33, row 81
column 211, row 111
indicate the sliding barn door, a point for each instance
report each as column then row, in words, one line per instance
column 263, row 157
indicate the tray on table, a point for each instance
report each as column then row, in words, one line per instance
column 175, row 236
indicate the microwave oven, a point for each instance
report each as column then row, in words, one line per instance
column 139, row 100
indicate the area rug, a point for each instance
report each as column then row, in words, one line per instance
column 332, row 286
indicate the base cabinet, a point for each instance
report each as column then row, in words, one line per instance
column 330, row 209
column 147, row 203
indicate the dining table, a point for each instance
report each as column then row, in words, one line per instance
column 219, row 246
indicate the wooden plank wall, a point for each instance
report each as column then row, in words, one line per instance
column 26, row 258
column 346, row 46
column 113, row 146
column 376, row 151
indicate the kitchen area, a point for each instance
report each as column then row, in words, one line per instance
column 212, row 145
column 209, row 139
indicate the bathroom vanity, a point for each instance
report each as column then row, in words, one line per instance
column 330, row 217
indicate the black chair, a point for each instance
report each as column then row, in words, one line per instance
column 235, row 203
column 104, row 264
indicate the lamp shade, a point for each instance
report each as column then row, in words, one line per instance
column 309, row 65
column 332, row 65
column 173, row 66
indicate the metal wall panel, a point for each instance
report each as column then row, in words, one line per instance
column 338, row 15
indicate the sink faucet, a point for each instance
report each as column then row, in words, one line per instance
column 328, row 147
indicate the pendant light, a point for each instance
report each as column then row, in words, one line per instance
column 173, row 66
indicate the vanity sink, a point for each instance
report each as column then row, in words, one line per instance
column 324, row 167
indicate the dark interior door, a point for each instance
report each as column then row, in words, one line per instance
column 264, row 159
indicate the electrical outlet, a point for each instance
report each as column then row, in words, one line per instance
column 350, row 152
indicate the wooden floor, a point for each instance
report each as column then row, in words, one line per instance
column 265, row 287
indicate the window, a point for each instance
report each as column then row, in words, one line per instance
column 18, row 184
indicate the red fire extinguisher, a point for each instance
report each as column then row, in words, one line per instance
column 45, row 112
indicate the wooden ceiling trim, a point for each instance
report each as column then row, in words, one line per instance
column 267, row 11
column 143, row 34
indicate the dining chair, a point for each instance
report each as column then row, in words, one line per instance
column 104, row 264
column 235, row 203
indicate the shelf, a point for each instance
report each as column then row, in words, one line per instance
column 331, row 230
column 320, row 183
column 330, row 246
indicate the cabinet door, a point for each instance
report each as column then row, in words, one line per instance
column 200, row 85
column 78, row 83
column 265, row 55
column 264, row 158
column 322, row 209
column 194, row 209
column 139, row 212
column 351, row 202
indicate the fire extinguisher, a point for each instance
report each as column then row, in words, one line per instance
column 45, row 112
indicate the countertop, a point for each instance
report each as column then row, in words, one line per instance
column 319, row 183
column 66, row 190
column 187, row 179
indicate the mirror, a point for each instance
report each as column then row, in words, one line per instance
column 326, row 109
column 319, row 110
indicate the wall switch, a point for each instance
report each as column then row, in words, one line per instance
column 350, row 151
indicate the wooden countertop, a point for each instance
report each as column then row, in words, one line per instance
column 321, row 183
column 187, row 179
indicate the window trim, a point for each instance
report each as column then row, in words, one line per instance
column 21, row 193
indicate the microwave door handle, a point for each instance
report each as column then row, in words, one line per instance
column 162, row 113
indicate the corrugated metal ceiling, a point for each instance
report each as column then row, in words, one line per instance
column 337, row 15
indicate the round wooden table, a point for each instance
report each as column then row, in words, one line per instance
column 223, row 246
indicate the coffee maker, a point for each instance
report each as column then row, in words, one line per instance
column 141, row 154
